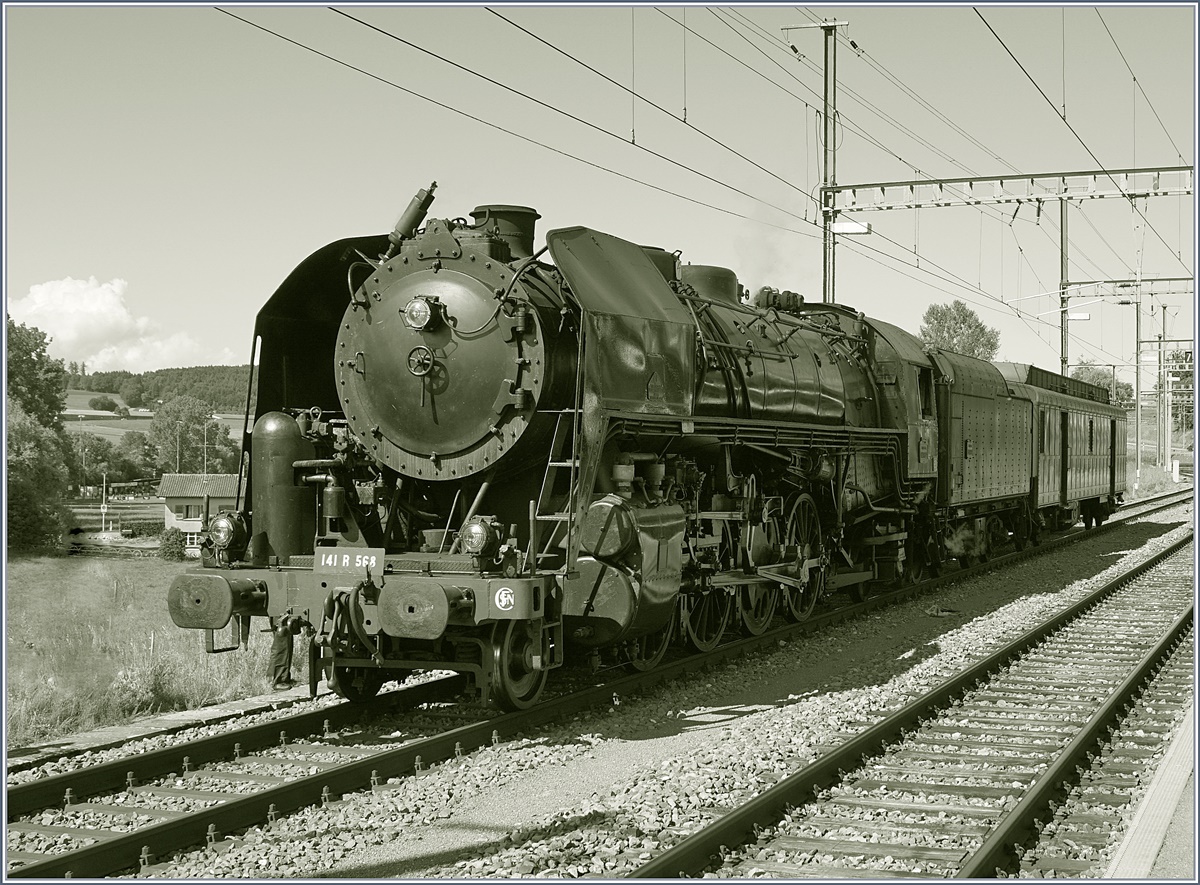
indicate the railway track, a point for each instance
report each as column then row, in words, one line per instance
column 956, row 780
column 143, row 808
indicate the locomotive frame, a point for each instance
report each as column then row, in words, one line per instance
column 648, row 454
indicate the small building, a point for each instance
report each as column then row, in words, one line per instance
column 183, row 499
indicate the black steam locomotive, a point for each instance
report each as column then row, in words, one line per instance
column 464, row 457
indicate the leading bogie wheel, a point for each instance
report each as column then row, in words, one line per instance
column 804, row 533
column 516, row 685
column 646, row 652
column 705, row 616
column 356, row 684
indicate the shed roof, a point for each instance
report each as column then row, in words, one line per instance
column 197, row 485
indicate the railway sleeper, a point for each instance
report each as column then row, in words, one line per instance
column 955, row 771
column 201, row 795
column 124, row 810
column 1009, row 758
column 267, row 780
column 79, row 833
column 931, row 788
column 932, row 809
column 855, row 848
column 1020, row 716
column 1090, row 840
column 830, row 824
column 827, row 871
column 1065, row 864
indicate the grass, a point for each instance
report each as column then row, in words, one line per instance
column 90, row 643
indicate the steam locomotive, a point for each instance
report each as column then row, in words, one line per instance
column 465, row 457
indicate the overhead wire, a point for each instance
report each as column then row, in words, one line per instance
column 950, row 277
column 567, row 114
column 1149, row 103
column 652, row 104
column 488, row 79
column 959, row 280
column 983, row 209
column 868, row 105
column 1078, row 138
column 506, row 131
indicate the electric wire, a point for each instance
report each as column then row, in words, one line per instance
column 652, row 104
column 408, row 43
column 921, row 100
column 517, row 135
column 1178, row 152
column 983, row 209
column 1078, row 138
column 1075, row 250
column 950, row 277
column 560, row 111
column 868, row 105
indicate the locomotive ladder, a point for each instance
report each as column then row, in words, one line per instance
column 562, row 457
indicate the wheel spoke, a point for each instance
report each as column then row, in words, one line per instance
column 706, row 615
column 756, row 605
column 647, row 651
column 804, row 533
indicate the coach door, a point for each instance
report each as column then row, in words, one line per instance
column 1049, row 450
column 1112, row 457
column 1065, row 455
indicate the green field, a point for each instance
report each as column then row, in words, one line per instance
column 113, row 428
column 89, row 643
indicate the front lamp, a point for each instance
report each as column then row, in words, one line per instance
column 227, row 531
column 419, row 314
column 478, row 537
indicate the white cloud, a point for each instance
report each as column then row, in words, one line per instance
column 89, row 321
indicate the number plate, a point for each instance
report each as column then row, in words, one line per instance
column 349, row 560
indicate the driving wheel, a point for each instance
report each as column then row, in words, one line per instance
column 804, row 533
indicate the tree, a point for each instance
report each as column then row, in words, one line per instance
column 1103, row 377
column 35, row 381
column 133, row 392
column 187, row 437
column 136, row 455
column 103, row 404
column 958, row 328
column 36, row 483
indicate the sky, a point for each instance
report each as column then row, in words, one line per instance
column 167, row 167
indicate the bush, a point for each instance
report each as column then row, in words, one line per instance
column 170, row 545
column 103, row 404
column 144, row 528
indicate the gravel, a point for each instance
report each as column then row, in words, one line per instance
column 599, row 794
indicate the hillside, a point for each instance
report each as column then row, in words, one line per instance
column 223, row 387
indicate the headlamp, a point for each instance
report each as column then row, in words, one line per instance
column 227, row 532
column 419, row 314
column 478, row 537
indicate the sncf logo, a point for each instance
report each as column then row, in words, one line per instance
column 505, row 599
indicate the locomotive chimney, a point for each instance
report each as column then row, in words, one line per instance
column 513, row 224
